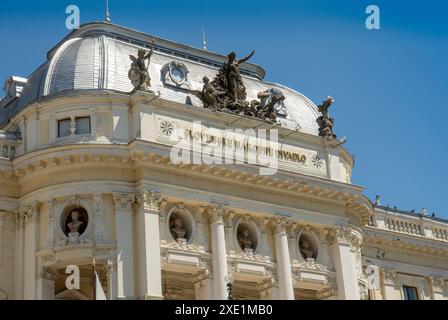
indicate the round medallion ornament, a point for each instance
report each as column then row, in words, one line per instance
column 178, row 72
column 166, row 128
column 317, row 161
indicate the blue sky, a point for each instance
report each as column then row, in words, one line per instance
column 388, row 84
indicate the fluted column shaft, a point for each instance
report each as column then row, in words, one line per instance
column 125, row 258
column 285, row 284
column 219, row 252
column 341, row 240
column 148, row 246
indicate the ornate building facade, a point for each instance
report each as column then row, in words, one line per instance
column 87, row 171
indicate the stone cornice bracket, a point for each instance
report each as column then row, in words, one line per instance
column 123, row 201
column 217, row 212
column 280, row 224
column 151, row 201
column 344, row 235
column 27, row 214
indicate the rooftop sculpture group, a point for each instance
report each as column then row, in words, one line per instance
column 227, row 92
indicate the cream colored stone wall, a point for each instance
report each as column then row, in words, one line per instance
column 7, row 254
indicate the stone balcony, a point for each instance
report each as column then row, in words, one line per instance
column 409, row 223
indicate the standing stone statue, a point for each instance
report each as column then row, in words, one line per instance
column 325, row 122
column 138, row 73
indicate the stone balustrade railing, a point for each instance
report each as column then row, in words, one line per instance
column 8, row 145
column 440, row 233
column 403, row 226
column 409, row 223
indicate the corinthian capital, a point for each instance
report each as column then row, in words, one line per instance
column 437, row 283
column 150, row 200
column 388, row 275
column 344, row 235
column 280, row 224
column 27, row 214
column 123, row 201
column 217, row 212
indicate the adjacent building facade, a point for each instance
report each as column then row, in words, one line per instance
column 92, row 169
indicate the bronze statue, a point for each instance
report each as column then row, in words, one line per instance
column 325, row 122
column 227, row 92
column 268, row 101
column 209, row 95
column 138, row 73
column 231, row 69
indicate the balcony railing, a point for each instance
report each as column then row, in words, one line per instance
column 409, row 223
column 8, row 144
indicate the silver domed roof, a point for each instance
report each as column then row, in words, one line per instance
column 97, row 57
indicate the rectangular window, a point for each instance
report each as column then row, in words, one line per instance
column 64, row 128
column 83, row 125
column 410, row 293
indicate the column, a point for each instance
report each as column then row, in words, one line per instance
column 148, row 245
column 388, row 284
column 45, row 283
column 31, row 216
column 285, row 284
column 19, row 255
column 112, row 279
column 125, row 250
column 219, row 252
column 341, row 240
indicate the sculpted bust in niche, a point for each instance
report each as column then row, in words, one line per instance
column 75, row 224
column 305, row 249
column 244, row 239
column 177, row 229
